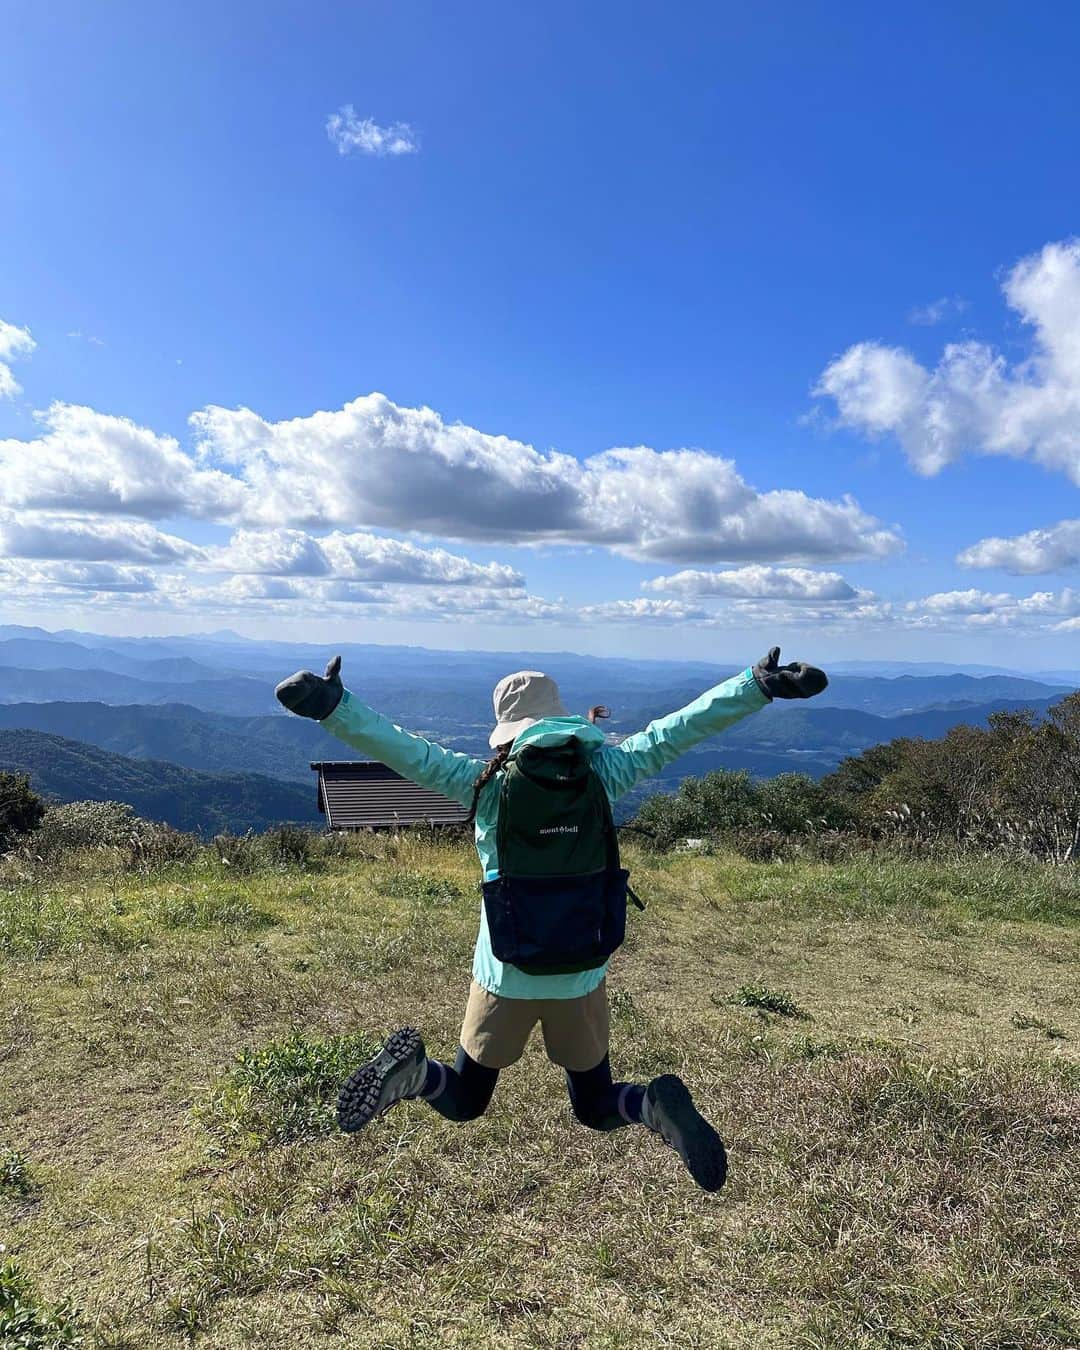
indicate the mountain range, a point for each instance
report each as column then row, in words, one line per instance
column 208, row 803
column 200, row 710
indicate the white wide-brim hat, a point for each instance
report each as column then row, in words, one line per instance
column 521, row 700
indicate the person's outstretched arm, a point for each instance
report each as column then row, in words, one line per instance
column 326, row 700
column 644, row 754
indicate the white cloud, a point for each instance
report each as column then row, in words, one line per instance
column 45, row 578
column 271, row 552
column 641, row 611
column 88, row 461
column 14, row 343
column 375, row 464
column 973, row 401
column 356, row 557
column 961, row 602
column 974, row 608
column 1048, row 550
column 937, row 311
column 761, row 583
column 361, row 135
column 36, row 535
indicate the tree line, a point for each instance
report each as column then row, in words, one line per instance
column 1012, row 785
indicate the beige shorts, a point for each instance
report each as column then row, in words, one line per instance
column 496, row 1030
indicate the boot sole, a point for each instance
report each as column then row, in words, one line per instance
column 693, row 1138
column 358, row 1101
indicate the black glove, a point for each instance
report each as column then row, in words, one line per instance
column 797, row 680
column 310, row 695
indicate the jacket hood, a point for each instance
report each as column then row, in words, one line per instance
column 559, row 730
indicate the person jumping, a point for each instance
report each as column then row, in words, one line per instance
column 554, row 893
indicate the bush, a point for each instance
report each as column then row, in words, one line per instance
column 289, row 845
column 21, row 809
column 155, row 844
column 732, row 806
column 717, row 803
column 241, row 854
column 72, row 826
column 793, row 803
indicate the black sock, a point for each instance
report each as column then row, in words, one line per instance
column 462, row 1092
column 600, row 1103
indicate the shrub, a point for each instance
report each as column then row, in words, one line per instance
column 239, row 853
column 289, row 845
column 735, row 808
column 793, row 803
column 717, row 803
column 155, row 844
column 72, row 826
column 286, row 1090
column 21, row 809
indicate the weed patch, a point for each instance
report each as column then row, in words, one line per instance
column 28, row 1324
column 16, row 1178
column 213, row 909
column 777, row 1001
column 421, row 888
column 1029, row 1022
column 284, row 1091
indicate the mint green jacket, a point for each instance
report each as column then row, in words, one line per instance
column 620, row 767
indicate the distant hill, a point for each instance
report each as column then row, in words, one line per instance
column 67, row 770
column 233, row 694
column 278, row 746
column 204, row 705
column 790, row 736
column 906, row 694
column 911, row 693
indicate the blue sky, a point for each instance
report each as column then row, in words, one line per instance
column 609, row 226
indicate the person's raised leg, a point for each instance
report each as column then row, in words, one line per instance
column 576, row 1035
column 462, row 1092
column 601, row 1104
column 402, row 1071
column 668, row 1109
column 665, row 1107
column 493, row 1036
column 398, row 1071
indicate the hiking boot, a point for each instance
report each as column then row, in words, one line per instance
column 397, row 1071
column 669, row 1109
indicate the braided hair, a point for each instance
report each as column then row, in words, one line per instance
column 502, row 754
column 486, row 774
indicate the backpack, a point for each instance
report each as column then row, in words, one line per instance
column 558, row 904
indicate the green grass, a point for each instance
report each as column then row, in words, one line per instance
column 28, row 1324
column 892, row 1050
column 777, row 1001
column 285, row 1090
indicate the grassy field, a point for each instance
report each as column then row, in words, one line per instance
column 892, row 1050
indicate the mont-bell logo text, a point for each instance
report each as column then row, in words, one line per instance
column 559, row 829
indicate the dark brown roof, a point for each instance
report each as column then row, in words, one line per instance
column 359, row 794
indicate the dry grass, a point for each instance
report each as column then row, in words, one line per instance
column 904, row 1154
